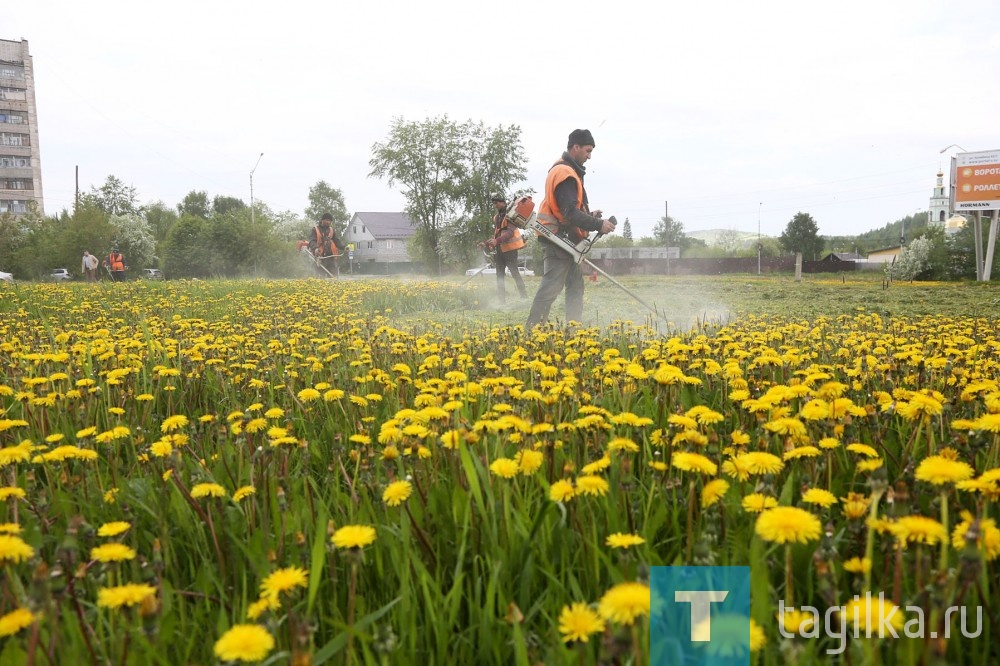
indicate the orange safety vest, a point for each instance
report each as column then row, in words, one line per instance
column 549, row 213
column 516, row 242
column 326, row 243
column 116, row 261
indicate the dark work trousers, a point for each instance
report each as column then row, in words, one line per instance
column 560, row 271
column 503, row 261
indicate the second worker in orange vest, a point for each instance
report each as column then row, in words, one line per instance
column 566, row 211
column 506, row 242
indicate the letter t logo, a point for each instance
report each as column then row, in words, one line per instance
column 701, row 601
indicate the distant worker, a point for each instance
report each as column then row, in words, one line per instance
column 566, row 211
column 89, row 266
column 505, row 243
column 325, row 246
column 115, row 263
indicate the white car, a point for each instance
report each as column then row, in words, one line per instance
column 491, row 270
column 6, row 277
column 60, row 275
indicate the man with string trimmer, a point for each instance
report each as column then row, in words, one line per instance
column 504, row 245
column 565, row 214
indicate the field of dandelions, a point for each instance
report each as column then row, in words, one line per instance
column 389, row 472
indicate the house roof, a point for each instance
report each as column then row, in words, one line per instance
column 386, row 225
column 896, row 249
column 843, row 256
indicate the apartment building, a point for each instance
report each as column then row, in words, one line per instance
column 20, row 158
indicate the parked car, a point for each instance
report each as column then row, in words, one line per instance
column 491, row 270
column 152, row 274
column 6, row 277
column 60, row 275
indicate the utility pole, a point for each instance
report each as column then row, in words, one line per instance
column 760, row 248
column 251, row 187
column 77, row 199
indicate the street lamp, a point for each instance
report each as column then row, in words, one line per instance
column 251, row 187
column 760, row 248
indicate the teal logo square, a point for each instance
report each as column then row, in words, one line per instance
column 699, row 616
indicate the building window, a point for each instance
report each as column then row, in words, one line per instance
column 369, row 245
column 362, row 228
column 15, row 94
column 941, row 217
column 10, row 139
column 11, row 72
column 12, row 117
column 355, row 230
column 16, row 184
column 13, row 206
column 14, row 161
column 388, row 244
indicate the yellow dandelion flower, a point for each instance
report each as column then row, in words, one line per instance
column 208, row 490
column 14, row 549
column 820, row 496
column 801, row 452
column 124, row 595
column 161, row 448
column 12, row 491
column 871, row 612
column 263, row 604
column 863, row 449
column 16, row 620
column 397, row 492
column 858, row 565
column 918, row 529
column 988, row 535
column 504, row 467
column 243, row 492
column 713, row 491
column 172, row 423
column 757, row 502
column 592, row 485
column 244, row 642
column 757, row 637
column 788, row 524
column 855, row 505
column 577, row 622
column 113, row 529
column 761, row 462
column 529, row 461
column 829, row 443
column 939, row 470
column 112, row 552
column 624, row 602
column 283, row 580
column 620, row 540
column 693, row 462
column 796, row 622
column 353, row 536
column 308, row 395
column 561, row 491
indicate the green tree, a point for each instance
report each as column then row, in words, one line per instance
column 447, row 170
column 134, row 237
column 627, row 231
column 195, row 203
column 326, row 199
column 186, row 253
column 222, row 205
column 669, row 232
column 160, row 217
column 802, row 235
column 113, row 197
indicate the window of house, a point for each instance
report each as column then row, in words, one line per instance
column 10, row 139
column 355, row 230
column 388, row 244
column 362, row 228
column 369, row 245
column 11, row 72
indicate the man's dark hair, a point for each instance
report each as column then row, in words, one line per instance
column 326, row 216
column 580, row 137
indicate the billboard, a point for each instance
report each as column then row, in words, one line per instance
column 975, row 181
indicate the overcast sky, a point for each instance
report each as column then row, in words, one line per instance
column 723, row 113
